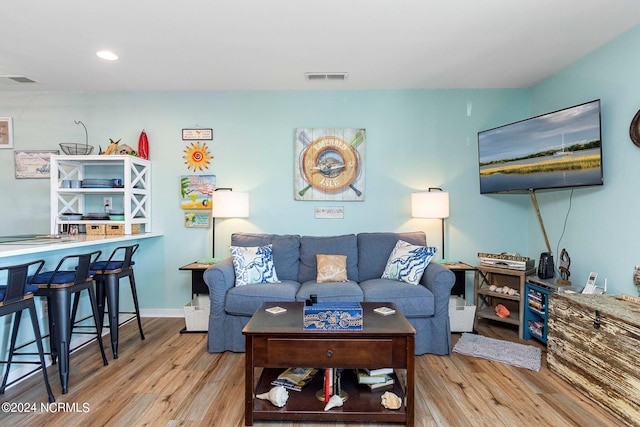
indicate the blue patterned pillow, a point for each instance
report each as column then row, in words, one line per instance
column 253, row 265
column 407, row 262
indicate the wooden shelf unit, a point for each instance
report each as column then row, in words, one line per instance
column 486, row 300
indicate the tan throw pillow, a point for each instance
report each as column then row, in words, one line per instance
column 331, row 268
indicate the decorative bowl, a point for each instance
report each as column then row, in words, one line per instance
column 74, row 149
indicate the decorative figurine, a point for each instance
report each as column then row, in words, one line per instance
column 565, row 262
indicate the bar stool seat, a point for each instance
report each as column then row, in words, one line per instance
column 107, row 274
column 15, row 297
column 58, row 286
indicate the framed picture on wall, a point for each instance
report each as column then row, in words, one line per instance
column 329, row 164
column 33, row 163
column 197, row 220
column 196, row 191
column 6, row 132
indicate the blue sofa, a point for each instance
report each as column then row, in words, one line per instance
column 425, row 305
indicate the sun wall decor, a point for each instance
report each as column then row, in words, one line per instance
column 197, row 156
column 329, row 164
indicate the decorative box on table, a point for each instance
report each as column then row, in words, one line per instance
column 333, row 316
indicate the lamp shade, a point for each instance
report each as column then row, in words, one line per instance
column 430, row 204
column 230, row 204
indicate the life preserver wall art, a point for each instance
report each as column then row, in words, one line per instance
column 329, row 164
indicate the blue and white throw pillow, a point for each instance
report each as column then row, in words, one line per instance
column 407, row 262
column 253, row 265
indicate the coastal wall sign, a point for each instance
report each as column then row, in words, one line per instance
column 329, row 164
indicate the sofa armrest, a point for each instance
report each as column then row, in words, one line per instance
column 219, row 278
column 439, row 280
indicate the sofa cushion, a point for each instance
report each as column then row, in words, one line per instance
column 331, row 291
column 310, row 246
column 412, row 300
column 286, row 250
column 245, row 300
column 374, row 250
column 407, row 262
column 253, row 264
column 331, row 268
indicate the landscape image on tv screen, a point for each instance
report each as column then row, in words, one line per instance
column 555, row 150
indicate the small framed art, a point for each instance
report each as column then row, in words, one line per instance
column 197, row 134
column 33, row 163
column 6, row 132
column 197, row 220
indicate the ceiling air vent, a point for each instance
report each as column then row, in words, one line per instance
column 15, row 79
column 326, row 76
column 22, row 79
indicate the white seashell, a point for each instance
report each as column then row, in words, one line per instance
column 333, row 402
column 492, row 288
column 512, row 291
column 391, row 400
column 499, row 290
column 277, row 395
column 506, row 289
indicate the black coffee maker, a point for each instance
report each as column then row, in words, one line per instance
column 546, row 269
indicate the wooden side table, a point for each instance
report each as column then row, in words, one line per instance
column 459, row 269
column 198, row 286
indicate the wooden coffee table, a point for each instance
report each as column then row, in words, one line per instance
column 275, row 342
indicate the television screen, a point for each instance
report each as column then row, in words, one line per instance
column 555, row 150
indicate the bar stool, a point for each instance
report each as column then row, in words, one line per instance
column 58, row 286
column 15, row 297
column 107, row 276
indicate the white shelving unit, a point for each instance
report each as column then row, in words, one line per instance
column 135, row 194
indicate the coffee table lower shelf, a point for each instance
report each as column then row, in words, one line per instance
column 363, row 404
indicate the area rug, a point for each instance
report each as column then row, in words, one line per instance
column 520, row 355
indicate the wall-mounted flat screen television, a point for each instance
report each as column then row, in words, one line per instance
column 555, row 150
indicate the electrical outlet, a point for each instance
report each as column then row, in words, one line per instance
column 107, row 202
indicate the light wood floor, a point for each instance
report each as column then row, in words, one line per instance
column 171, row 380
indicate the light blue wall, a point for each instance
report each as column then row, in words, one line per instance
column 415, row 139
column 602, row 227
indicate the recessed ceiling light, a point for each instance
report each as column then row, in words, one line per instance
column 107, row 54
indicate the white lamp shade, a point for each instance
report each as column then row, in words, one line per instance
column 430, row 204
column 229, row 204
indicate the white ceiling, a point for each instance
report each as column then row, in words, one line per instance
column 270, row 44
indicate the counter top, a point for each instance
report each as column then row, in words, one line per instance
column 66, row 242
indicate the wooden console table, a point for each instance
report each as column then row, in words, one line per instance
column 278, row 341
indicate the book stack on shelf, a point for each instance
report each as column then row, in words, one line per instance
column 376, row 379
column 295, row 378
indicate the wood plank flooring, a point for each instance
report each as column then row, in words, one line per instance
column 171, row 380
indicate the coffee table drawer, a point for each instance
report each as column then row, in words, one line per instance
column 328, row 352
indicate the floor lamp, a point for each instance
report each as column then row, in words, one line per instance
column 433, row 203
column 227, row 203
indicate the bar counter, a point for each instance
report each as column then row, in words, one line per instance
column 66, row 243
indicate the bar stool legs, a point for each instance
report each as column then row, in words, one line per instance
column 107, row 276
column 58, row 286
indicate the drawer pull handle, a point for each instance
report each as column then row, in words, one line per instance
column 329, row 353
